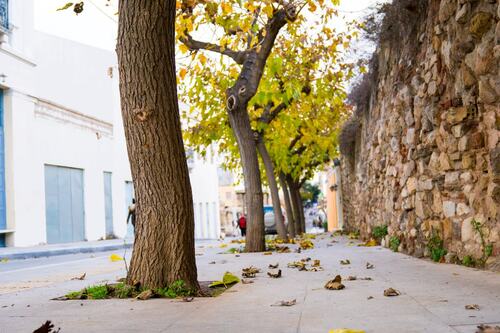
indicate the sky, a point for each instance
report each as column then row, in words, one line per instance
column 97, row 25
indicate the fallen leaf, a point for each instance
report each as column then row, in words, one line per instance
column 115, row 257
column 345, row 262
column 316, row 263
column 366, row 278
column 211, row 263
column 249, row 272
column 369, row 266
column 275, row 275
column 305, row 259
column 245, row 281
column 285, row 303
column 47, row 327
column 335, row 284
column 223, row 245
column 82, row 277
column 297, row 264
column 306, row 244
column 369, row 297
column 276, row 265
column 268, row 253
column 316, row 269
column 238, row 241
column 472, row 307
column 188, row 299
column 371, row 242
column 298, row 250
column 351, row 278
column 146, row 294
column 345, row 330
column 283, row 249
column 227, row 279
column 4, row 260
column 488, row 329
column 391, row 292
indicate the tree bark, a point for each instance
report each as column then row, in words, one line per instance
column 273, row 187
column 240, row 123
column 295, row 205
column 288, row 206
column 164, row 232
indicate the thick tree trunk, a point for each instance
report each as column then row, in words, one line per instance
column 288, row 206
column 301, row 210
column 273, row 187
column 164, row 230
column 240, row 124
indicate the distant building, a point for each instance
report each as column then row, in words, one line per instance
column 64, row 170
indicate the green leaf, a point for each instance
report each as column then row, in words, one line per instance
column 227, row 279
column 66, row 6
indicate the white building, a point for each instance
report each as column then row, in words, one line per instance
column 64, row 171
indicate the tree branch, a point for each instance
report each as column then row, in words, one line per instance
column 194, row 45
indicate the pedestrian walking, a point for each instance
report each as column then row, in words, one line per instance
column 131, row 213
column 242, row 223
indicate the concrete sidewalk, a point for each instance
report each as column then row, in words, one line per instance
column 433, row 296
column 40, row 251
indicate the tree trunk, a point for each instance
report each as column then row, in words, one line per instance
column 164, row 230
column 240, row 124
column 295, row 205
column 273, row 187
column 288, row 206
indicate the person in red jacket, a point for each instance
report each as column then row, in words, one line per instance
column 242, row 223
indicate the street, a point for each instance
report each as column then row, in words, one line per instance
column 433, row 296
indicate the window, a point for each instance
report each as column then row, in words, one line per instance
column 4, row 14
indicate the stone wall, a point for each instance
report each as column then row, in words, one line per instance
column 427, row 153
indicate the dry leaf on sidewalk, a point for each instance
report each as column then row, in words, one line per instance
column 316, row 263
column 488, row 329
column 268, row 253
column 211, row 263
column 306, row 244
column 146, row 294
column 275, row 275
column 276, row 265
column 188, row 299
column 305, row 259
column 335, row 284
column 115, row 257
column 472, row 307
column 369, row 266
column 283, row 249
column 250, row 272
column 285, row 303
column 47, row 327
column 82, row 277
column 391, row 292
column 371, row 242
column 345, row 262
column 351, row 278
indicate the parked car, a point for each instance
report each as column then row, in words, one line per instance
column 269, row 223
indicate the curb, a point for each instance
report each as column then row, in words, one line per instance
column 58, row 252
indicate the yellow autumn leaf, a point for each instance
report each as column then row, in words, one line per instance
column 183, row 48
column 202, row 58
column 268, row 10
column 223, row 245
column 182, row 73
column 226, row 8
column 312, row 6
column 115, row 257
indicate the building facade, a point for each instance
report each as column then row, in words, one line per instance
column 64, row 170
